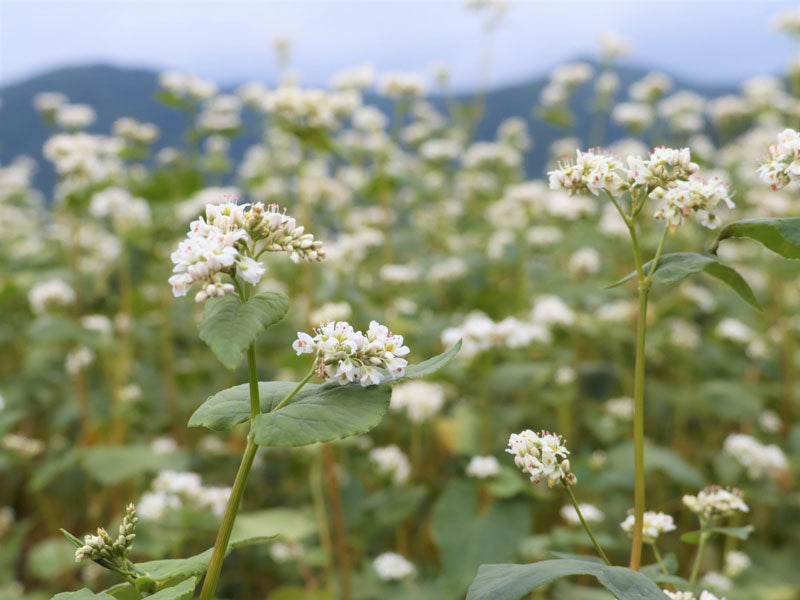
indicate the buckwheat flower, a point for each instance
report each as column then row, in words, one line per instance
column 620, row 408
column 572, row 74
column 782, row 165
column 420, row 400
column 45, row 295
column 606, row 84
column 715, row 501
column 736, row 563
column 756, row 458
column 636, row 116
column 585, row 261
column 74, row 116
column 331, row 311
column 541, row 455
column 356, row 78
column 655, row 523
column 591, row 514
column 400, row 274
column 770, row 422
column 788, row 22
column 552, row 311
column 391, row 461
column 734, row 330
column 49, row 102
column 591, row 171
column 78, row 359
column 650, row 88
column 22, row 445
column 491, row 155
column 680, row 595
column 565, row 375
column 134, row 131
column 401, row 85
column 483, row 467
column 152, row 506
column 513, row 132
column 392, row 567
column 613, row 46
column 717, row 581
column 98, row 323
column 118, row 205
column 695, row 195
column 283, row 552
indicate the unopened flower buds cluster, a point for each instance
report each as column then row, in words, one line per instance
column 345, row 355
column 109, row 552
column 541, row 455
column 668, row 175
column 224, row 244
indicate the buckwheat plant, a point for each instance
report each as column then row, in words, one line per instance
column 669, row 182
column 221, row 259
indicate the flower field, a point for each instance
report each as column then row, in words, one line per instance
column 376, row 358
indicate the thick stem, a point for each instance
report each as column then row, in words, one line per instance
column 255, row 402
column 586, row 526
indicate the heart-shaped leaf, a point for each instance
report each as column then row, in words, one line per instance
column 779, row 235
column 226, row 409
column 512, row 582
column 323, row 414
column 230, row 326
column 675, row 267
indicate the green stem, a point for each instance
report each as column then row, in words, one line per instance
column 586, row 526
column 255, row 402
column 659, row 560
column 698, row 558
column 657, row 258
column 295, row 390
column 225, row 528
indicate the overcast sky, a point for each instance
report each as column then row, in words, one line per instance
column 713, row 41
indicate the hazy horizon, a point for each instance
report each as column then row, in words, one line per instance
column 230, row 42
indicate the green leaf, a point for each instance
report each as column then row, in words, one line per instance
column 83, row 594
column 742, row 533
column 675, row 267
column 226, row 409
column 110, row 465
column 782, row 236
column 323, row 414
column 512, row 582
column 293, row 524
column 230, row 326
column 183, row 591
column 465, row 539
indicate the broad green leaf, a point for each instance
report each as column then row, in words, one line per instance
column 465, row 538
column 742, row 533
column 675, row 267
column 83, row 594
column 230, row 326
column 512, row 582
column 324, row 414
column 290, row 523
column 782, row 236
column 226, row 409
column 112, row 464
column 183, row 591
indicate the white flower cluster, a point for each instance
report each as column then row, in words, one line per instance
column 592, row 171
column 391, row 461
column 541, row 455
column 655, row 523
column 172, row 489
column 736, row 563
column 420, row 400
column 396, row 84
column 135, row 132
column 479, row 333
column 695, row 195
column 310, row 108
column 756, row 458
column 84, row 157
column 715, row 501
column 22, row 445
column 345, row 355
column 102, row 546
column 187, row 87
column 591, row 514
column 705, row 595
column 483, row 467
column 54, row 292
column 391, row 567
column 74, row 117
column 219, row 244
column 118, row 205
column 782, row 166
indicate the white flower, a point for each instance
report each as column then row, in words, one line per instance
column 782, row 165
column 74, row 116
column 49, row 102
column 54, row 292
column 736, row 563
column 620, row 408
column 552, row 311
column 118, row 205
column 391, row 461
column 482, row 467
column 770, row 422
column 391, row 567
column 715, row 501
column 585, row 261
column 22, row 445
column 419, row 399
column 633, row 115
column 591, row 171
column 756, row 458
column 345, row 355
column 78, row 359
column 282, row 552
column 650, row 88
column 695, row 195
column 401, row 85
column 718, row 581
column 735, row 331
column 655, row 523
column 613, row 46
column 541, row 455
column 591, row 514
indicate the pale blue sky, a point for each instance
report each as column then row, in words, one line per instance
column 711, row 41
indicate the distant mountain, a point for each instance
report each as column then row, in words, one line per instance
column 116, row 92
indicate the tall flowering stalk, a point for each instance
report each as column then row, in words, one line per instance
column 669, row 177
